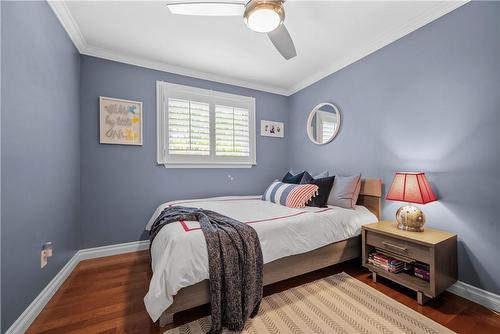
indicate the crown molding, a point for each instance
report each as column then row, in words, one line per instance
column 63, row 13
column 440, row 9
column 164, row 67
column 70, row 25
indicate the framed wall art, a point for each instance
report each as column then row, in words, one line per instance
column 120, row 121
column 272, row 129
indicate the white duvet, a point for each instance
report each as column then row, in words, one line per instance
column 179, row 253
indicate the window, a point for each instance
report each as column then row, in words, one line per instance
column 326, row 125
column 203, row 128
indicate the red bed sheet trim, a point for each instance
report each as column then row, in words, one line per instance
column 189, row 229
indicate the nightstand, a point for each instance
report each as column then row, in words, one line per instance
column 435, row 248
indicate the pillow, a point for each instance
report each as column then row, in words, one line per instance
column 324, row 188
column 294, row 179
column 345, row 191
column 323, row 174
column 291, row 195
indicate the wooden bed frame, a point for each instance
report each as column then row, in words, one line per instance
column 290, row 266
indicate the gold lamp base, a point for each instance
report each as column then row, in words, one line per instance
column 410, row 218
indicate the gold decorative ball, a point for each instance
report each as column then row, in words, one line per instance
column 410, row 218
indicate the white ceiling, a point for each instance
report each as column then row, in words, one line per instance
column 328, row 35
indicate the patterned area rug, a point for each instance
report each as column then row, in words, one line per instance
column 336, row 304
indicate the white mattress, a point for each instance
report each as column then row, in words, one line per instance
column 179, row 254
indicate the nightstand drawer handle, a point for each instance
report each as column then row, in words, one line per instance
column 387, row 244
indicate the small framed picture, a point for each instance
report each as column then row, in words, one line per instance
column 272, row 129
column 120, row 121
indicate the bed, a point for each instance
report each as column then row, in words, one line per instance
column 293, row 242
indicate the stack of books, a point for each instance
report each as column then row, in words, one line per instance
column 385, row 262
column 422, row 271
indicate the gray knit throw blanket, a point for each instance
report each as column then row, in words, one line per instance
column 234, row 261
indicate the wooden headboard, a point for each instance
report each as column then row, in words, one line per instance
column 370, row 195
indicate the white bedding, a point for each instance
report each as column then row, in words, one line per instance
column 179, row 254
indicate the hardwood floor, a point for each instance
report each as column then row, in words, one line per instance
column 105, row 295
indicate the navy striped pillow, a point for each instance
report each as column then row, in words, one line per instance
column 291, row 195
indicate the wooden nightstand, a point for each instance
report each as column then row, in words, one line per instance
column 438, row 249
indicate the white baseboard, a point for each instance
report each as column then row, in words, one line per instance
column 28, row 316
column 22, row 323
column 93, row 253
column 480, row 296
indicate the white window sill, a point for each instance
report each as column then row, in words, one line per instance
column 227, row 166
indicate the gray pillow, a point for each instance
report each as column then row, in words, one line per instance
column 345, row 191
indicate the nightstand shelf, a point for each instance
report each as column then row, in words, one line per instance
column 438, row 249
column 402, row 278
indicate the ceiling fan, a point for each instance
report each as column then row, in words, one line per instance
column 263, row 16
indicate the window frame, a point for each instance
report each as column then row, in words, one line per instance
column 166, row 90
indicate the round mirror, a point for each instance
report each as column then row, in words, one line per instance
column 323, row 123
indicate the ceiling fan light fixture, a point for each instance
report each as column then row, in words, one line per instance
column 264, row 16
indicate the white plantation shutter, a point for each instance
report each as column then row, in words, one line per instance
column 202, row 128
column 326, row 125
column 188, row 127
column 232, row 131
column 327, row 130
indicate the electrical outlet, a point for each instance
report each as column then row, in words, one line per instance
column 47, row 247
column 43, row 258
column 45, row 253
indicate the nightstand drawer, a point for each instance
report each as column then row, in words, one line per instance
column 399, row 246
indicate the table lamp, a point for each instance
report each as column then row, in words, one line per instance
column 411, row 188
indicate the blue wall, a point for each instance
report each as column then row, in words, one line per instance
column 122, row 185
column 429, row 102
column 0, row 166
column 40, row 151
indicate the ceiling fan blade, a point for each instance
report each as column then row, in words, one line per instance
column 280, row 37
column 207, row 8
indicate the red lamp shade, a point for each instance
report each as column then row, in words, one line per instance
column 412, row 188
